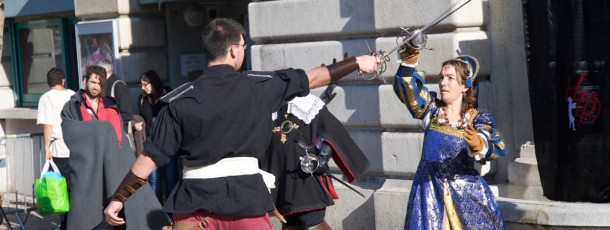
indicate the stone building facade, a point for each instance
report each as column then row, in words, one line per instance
column 162, row 34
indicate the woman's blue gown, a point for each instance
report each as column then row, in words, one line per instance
column 448, row 192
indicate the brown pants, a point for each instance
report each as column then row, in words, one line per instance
column 203, row 219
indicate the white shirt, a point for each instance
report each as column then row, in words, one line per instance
column 49, row 109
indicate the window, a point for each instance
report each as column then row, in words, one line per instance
column 37, row 47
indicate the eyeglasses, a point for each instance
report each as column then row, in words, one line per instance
column 144, row 84
column 244, row 45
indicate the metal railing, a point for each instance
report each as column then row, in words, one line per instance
column 25, row 157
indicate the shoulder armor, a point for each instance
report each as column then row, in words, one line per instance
column 178, row 93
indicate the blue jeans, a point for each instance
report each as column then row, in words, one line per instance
column 164, row 178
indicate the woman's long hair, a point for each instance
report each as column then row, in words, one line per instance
column 156, row 84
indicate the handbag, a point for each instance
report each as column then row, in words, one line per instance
column 51, row 191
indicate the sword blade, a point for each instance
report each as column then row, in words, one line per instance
column 345, row 183
column 442, row 17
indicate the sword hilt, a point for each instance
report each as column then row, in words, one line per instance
column 414, row 38
column 381, row 66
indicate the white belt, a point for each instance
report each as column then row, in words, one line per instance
column 233, row 166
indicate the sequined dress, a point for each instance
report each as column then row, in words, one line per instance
column 448, row 192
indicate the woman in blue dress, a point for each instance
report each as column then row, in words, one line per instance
column 448, row 192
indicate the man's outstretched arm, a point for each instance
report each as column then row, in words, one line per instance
column 324, row 75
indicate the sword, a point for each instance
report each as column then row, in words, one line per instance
column 419, row 32
column 409, row 35
column 346, row 184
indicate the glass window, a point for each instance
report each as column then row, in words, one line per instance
column 39, row 46
column 41, row 50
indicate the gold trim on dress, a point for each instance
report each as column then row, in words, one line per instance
column 409, row 98
column 451, row 216
column 446, row 129
column 450, row 130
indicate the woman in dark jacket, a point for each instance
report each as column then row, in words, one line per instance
column 162, row 178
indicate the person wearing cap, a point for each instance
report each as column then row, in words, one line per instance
column 448, row 192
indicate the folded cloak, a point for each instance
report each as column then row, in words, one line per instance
column 98, row 167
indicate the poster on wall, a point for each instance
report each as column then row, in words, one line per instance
column 96, row 41
column 192, row 66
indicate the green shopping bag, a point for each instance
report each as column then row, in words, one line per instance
column 51, row 191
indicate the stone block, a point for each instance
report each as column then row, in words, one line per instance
column 6, row 73
column 444, row 47
column 524, row 171
column 24, row 124
column 369, row 142
column 485, row 96
column 523, row 192
column 352, row 18
column 391, row 204
column 8, row 99
column 401, row 153
column 308, row 55
column 390, row 15
column 528, row 150
column 355, row 105
column 134, row 7
column 394, row 113
column 352, row 211
column 96, row 9
column 315, row 19
column 136, row 63
column 141, row 33
column 568, row 215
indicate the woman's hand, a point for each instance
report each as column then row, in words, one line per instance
column 409, row 55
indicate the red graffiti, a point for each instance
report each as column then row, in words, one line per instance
column 588, row 105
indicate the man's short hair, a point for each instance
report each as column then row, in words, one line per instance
column 55, row 77
column 107, row 65
column 101, row 72
column 219, row 35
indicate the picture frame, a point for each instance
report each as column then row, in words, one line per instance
column 95, row 41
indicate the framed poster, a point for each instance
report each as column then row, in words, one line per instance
column 96, row 41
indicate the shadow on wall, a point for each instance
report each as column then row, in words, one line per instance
column 354, row 11
column 361, row 217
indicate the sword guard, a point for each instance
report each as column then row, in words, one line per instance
column 381, row 67
column 418, row 42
